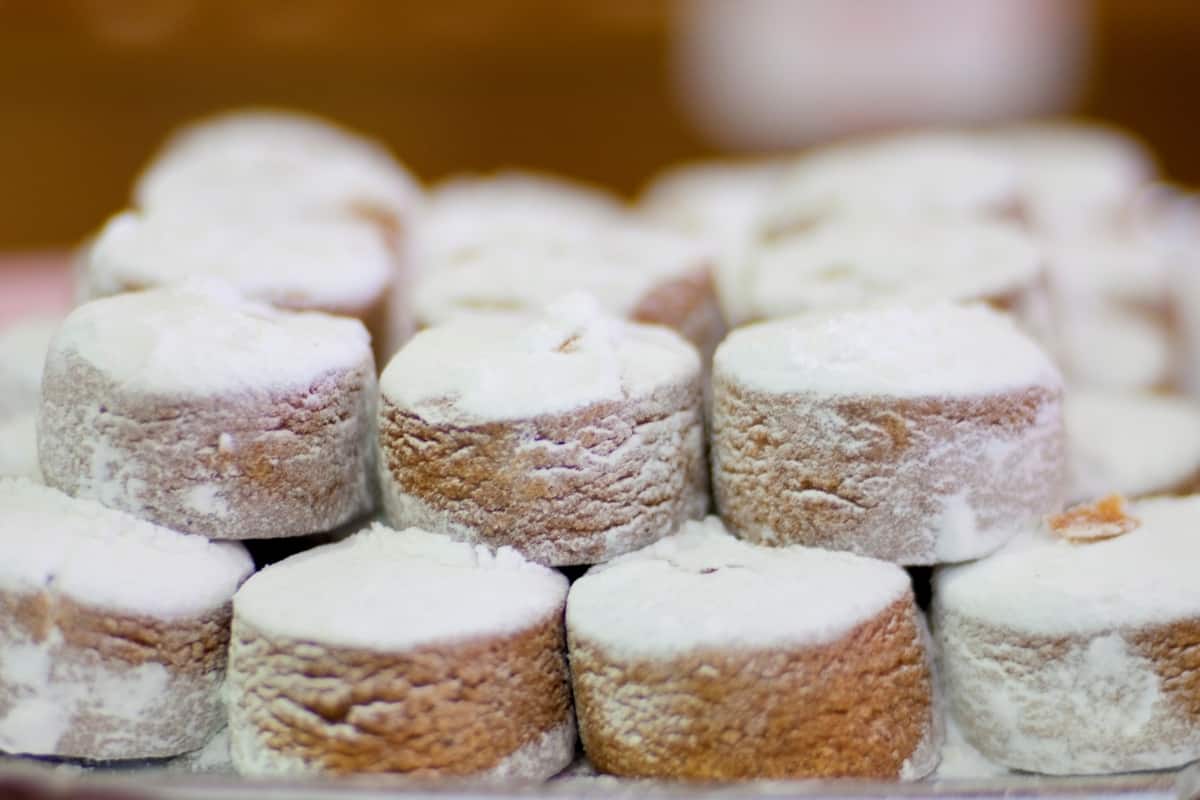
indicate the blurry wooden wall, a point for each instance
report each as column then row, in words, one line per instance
column 88, row 87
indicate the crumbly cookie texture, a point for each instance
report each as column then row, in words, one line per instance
column 917, row 436
column 337, row 665
column 113, row 631
column 211, row 415
column 570, row 439
column 681, row 669
column 1070, row 658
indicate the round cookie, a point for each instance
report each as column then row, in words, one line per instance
column 199, row 411
column 572, row 437
column 915, row 435
column 340, row 267
column 718, row 200
column 1132, row 443
column 23, row 346
column 113, row 631
column 706, row 658
column 931, row 175
column 1071, row 657
column 633, row 271
column 401, row 653
column 1075, row 178
column 262, row 163
column 18, row 447
column 853, row 263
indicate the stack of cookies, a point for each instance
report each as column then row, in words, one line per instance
column 667, row 481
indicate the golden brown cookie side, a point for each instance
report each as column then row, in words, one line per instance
column 257, row 465
column 571, row 488
column 439, row 710
column 860, row 706
column 872, row 476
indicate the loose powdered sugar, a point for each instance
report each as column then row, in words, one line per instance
column 1134, row 444
column 340, row 264
column 928, row 351
column 200, row 339
column 109, row 560
column 701, row 588
column 853, row 263
column 387, row 590
column 18, row 447
column 505, row 367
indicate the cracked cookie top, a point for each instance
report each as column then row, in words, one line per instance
column 201, row 339
column 496, row 367
column 929, row 351
column 109, row 560
column 702, row 588
column 387, row 590
column 1044, row 584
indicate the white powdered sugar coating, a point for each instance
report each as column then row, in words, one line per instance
column 523, row 267
column 1074, row 177
column 23, row 347
column 109, row 560
column 200, row 339
column 931, row 174
column 939, row 350
column 1060, row 657
column 853, row 263
column 18, row 447
column 703, row 589
column 1043, row 585
column 266, row 164
column 50, row 690
column 387, row 590
column 1135, row 444
column 516, row 366
column 333, row 264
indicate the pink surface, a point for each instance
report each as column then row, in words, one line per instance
column 34, row 284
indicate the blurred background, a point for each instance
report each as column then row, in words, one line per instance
column 605, row 91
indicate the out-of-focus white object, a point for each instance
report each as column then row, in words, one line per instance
column 779, row 73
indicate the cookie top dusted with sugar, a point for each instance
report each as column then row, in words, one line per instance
column 1050, row 585
column 334, row 264
column 110, row 560
column 515, row 366
column 853, row 263
column 388, row 590
column 519, row 268
column 201, row 339
column 930, row 351
column 932, row 175
column 262, row 163
column 703, row 589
